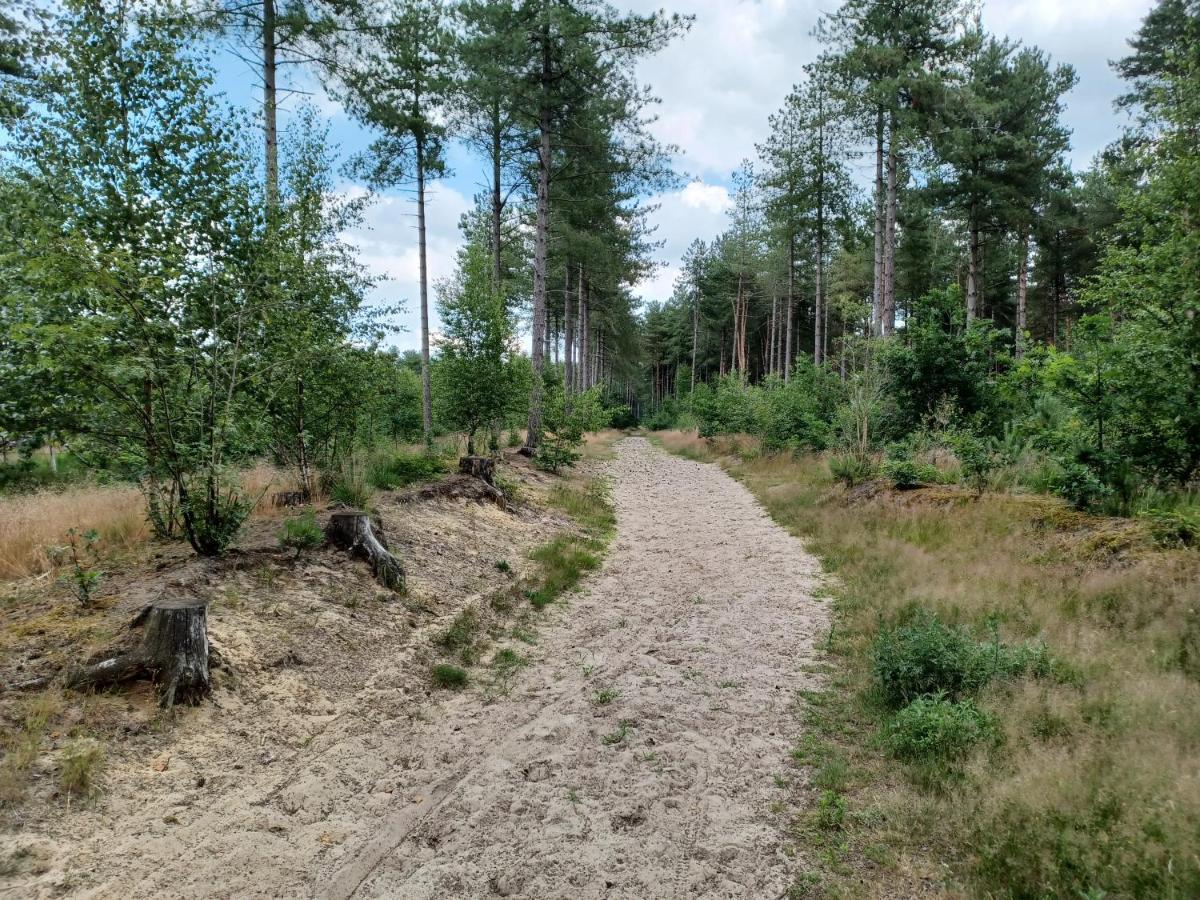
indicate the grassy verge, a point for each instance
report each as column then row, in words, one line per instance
column 559, row 566
column 1014, row 704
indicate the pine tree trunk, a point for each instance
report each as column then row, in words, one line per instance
column 791, row 303
column 877, row 293
column 497, row 202
column 568, row 335
column 270, row 104
column 426, row 387
column 585, row 338
column 973, row 267
column 889, row 239
column 1022, row 292
column 772, row 353
column 695, row 335
column 534, row 431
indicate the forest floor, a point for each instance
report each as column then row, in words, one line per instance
column 637, row 744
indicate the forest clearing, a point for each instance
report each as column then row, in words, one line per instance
column 556, row 448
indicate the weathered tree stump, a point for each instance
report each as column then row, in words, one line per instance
column 174, row 653
column 351, row 530
column 458, row 487
column 482, row 467
column 289, row 499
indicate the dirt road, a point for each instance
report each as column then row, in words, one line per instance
column 635, row 758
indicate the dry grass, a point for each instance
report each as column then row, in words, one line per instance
column 32, row 524
column 1094, row 790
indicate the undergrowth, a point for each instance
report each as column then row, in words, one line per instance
column 1014, row 709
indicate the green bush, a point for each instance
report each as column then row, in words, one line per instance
column 407, row 468
column 554, row 453
column 445, row 675
column 926, row 657
column 932, row 727
column 849, row 469
column 301, row 533
column 1079, row 485
column 214, row 520
column 905, row 473
column 1174, row 527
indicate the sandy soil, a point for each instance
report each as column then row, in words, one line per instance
column 636, row 756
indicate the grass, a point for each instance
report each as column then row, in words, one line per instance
column 447, row 676
column 22, row 743
column 1059, row 760
column 80, row 768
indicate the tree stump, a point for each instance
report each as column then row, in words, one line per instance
column 482, row 467
column 173, row 653
column 289, row 499
column 352, row 531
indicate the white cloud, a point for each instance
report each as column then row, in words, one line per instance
column 713, row 198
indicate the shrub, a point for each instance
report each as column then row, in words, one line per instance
column 1174, row 527
column 445, row 675
column 926, row 657
column 906, row 473
column 932, row 727
column 84, row 552
column 850, row 469
column 213, row 518
column 1079, row 485
column 301, row 533
column 554, row 452
column 975, row 457
column 405, row 469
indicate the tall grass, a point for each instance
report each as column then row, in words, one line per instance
column 1092, row 789
column 32, row 524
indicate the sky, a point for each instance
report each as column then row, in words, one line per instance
column 718, row 85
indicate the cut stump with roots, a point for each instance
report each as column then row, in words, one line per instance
column 481, row 467
column 174, row 653
column 352, row 531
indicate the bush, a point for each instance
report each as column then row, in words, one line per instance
column 403, row 470
column 554, row 452
column 906, row 473
column 213, row 519
column 849, row 469
column 975, row 457
column 445, row 675
column 1174, row 527
column 301, row 533
column 932, row 727
column 926, row 657
column 350, row 487
column 1079, row 485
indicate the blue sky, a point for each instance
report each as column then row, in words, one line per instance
column 718, row 85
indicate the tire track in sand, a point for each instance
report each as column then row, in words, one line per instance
column 701, row 620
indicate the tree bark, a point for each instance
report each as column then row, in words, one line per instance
column 270, row 105
column 497, row 201
column 534, row 432
column 791, row 302
column 173, row 652
column 1022, row 293
column 973, row 267
column 877, row 293
column 585, row 334
column 426, row 388
column 351, row 530
column 568, row 335
column 695, row 335
column 888, row 326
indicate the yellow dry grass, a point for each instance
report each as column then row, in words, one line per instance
column 32, row 524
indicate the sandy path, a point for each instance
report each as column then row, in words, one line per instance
column 700, row 621
column 698, row 628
